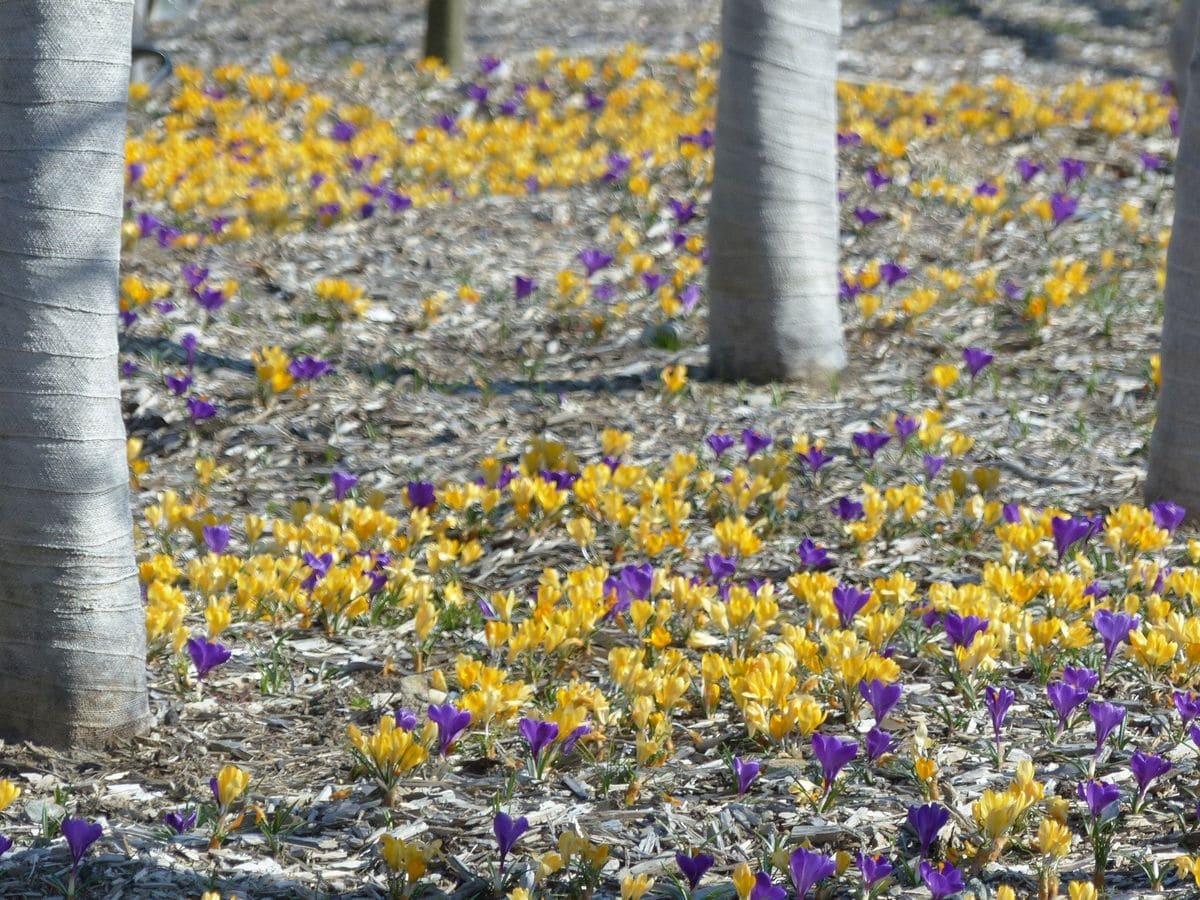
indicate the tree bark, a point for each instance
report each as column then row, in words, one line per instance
column 773, row 221
column 72, row 627
column 1183, row 32
column 445, row 25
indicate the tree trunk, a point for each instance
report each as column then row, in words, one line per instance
column 1183, row 32
column 445, row 24
column 773, row 222
column 72, row 627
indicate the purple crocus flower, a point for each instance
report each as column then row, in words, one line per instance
column 637, row 580
column 849, row 601
column 199, row 410
column 754, row 441
column 477, row 92
column 209, row 298
column 875, row 178
column 343, row 131
column 693, row 867
column 569, row 742
column 1072, row 169
column 207, row 655
column 538, row 734
column 808, row 869
column 1167, row 515
column 848, row 138
column 847, row 510
column 813, row 556
column 998, row 703
column 905, row 427
column 1028, row 169
column 178, row 384
column 745, row 771
column 943, row 880
column 523, row 286
column 878, row 743
column 343, row 483
column 188, row 343
column 309, row 368
column 397, row 202
column 814, row 457
column 1062, row 207
column 765, row 889
column 1146, row 767
column 179, row 822
column 683, row 211
column 80, row 835
column 1065, row 699
column 1188, row 705
column 690, row 295
column 406, row 719
column 1011, row 513
column 933, row 465
column 927, row 821
column 1069, row 531
column 870, row 441
column 193, row 274
column 216, row 537
column 1114, row 629
column 718, row 443
column 719, row 567
column 1099, row 796
column 977, row 359
column 834, row 754
column 874, row 869
column 1151, row 162
column 881, row 696
column 594, row 260
column 962, row 630
column 421, row 494
column 1080, row 677
column 866, row 215
column 488, row 64
column 1106, row 717
column 136, row 170
column 507, row 832
column 451, row 722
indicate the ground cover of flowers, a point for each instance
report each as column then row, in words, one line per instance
column 460, row 577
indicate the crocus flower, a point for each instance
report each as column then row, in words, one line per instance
column 1099, row 796
column 814, row 457
column 1065, row 699
column 870, row 441
column 207, row 655
column 745, row 771
column 865, row 215
column 594, row 260
column 878, row 743
column 1080, row 677
column 875, row 178
column 927, row 821
column 507, row 832
column 569, row 742
column 309, row 368
column 343, row 483
column 998, row 703
column 808, row 869
column 683, row 211
column 1106, row 717
column 933, row 465
column 1167, row 515
column 892, row 272
column 943, row 880
column 488, row 64
column 1072, row 169
column 849, row 601
column 199, row 410
column 179, row 822
column 847, row 510
column 178, row 384
column 693, row 866
column 1150, row 162
column 1069, row 531
column 406, row 719
column 1114, row 629
column 80, row 835
column 690, row 295
column 719, row 567
column 638, row 580
column 874, row 869
column 1011, row 513
column 216, row 537
column 718, row 443
column 765, row 889
column 962, row 630
column 343, row 131
column 977, row 359
column 421, row 494
column 1062, row 207
column 881, row 696
column 1028, row 169
column 538, row 734
column 813, row 556
column 523, row 286
column 834, row 753
column 1188, row 705
column 1146, row 767
column 451, row 722
column 754, row 441
column 905, row 427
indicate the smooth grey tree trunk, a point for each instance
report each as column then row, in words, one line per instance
column 773, row 222
column 72, row 627
column 445, row 24
column 1183, row 33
